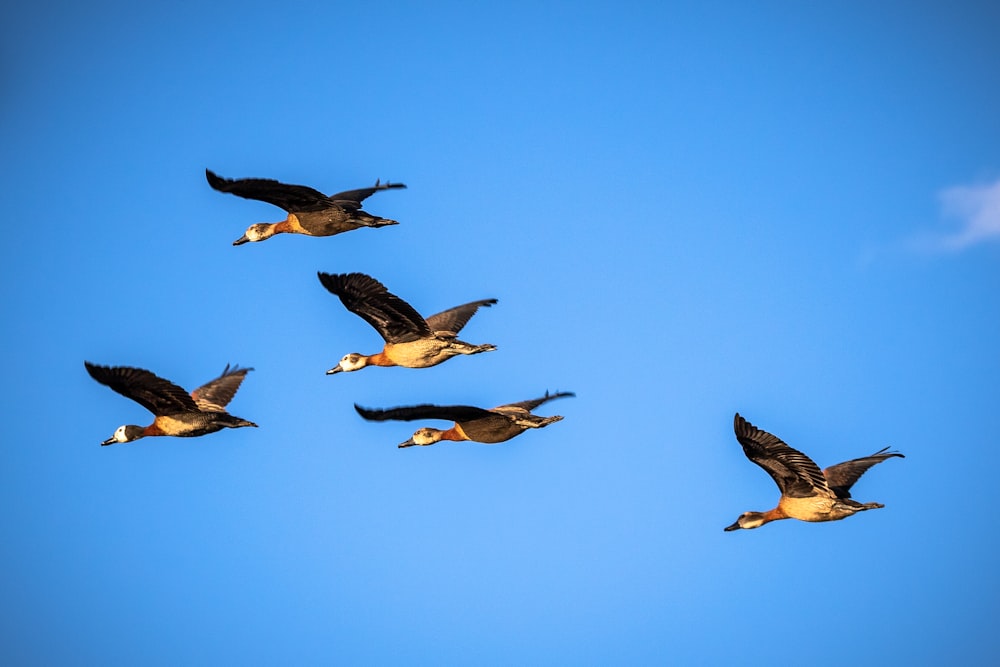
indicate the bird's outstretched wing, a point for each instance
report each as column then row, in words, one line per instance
column 214, row 396
column 159, row 396
column 795, row 473
column 841, row 477
column 394, row 319
column 530, row 405
column 351, row 199
column 456, row 413
column 292, row 198
column 452, row 320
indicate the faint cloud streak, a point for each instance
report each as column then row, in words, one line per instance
column 977, row 210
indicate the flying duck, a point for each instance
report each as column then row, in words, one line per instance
column 176, row 412
column 477, row 424
column 310, row 212
column 410, row 340
column 807, row 493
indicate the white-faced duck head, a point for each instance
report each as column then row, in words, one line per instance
column 423, row 437
column 350, row 362
column 748, row 521
column 256, row 232
column 126, row 433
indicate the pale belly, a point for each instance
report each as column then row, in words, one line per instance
column 186, row 425
column 420, row 353
column 817, row 508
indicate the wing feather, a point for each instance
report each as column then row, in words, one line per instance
column 159, row 396
column 214, row 396
column 841, row 477
column 351, row 199
column 291, row 198
column 796, row 474
column 394, row 319
column 530, row 405
column 456, row 413
column 452, row 320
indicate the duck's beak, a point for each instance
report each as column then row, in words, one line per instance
column 335, row 369
column 109, row 441
column 408, row 443
column 735, row 526
column 241, row 240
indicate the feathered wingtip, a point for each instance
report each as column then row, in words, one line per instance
column 388, row 185
column 215, row 181
column 558, row 394
column 886, row 453
column 235, row 368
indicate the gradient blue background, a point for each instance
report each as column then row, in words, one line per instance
column 783, row 209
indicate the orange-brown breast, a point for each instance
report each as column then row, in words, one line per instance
column 292, row 225
column 455, row 433
column 154, row 428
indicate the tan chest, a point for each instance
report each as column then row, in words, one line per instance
column 174, row 425
column 418, row 353
column 817, row 508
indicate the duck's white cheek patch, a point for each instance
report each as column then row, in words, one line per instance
column 120, row 434
column 351, row 362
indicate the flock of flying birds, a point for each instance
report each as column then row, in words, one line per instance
column 413, row 341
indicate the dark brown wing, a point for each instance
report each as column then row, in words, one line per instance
column 841, row 477
column 159, row 396
column 455, row 413
column 535, row 402
column 215, row 395
column 452, row 320
column 351, row 199
column 292, row 198
column 394, row 319
column 795, row 473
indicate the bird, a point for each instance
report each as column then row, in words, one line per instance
column 476, row 424
column 310, row 212
column 807, row 493
column 176, row 412
column 410, row 340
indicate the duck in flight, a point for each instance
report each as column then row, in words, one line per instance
column 410, row 340
column 476, row 424
column 310, row 212
column 177, row 412
column 807, row 493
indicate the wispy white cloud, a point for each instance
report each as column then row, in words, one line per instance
column 976, row 209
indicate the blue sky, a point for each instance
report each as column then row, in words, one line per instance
column 782, row 209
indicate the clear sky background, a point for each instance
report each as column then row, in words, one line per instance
column 790, row 210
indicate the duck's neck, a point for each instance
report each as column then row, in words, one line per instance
column 455, row 433
column 379, row 359
column 283, row 227
column 152, row 429
column 773, row 515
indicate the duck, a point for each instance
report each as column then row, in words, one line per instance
column 807, row 493
column 471, row 423
column 310, row 212
column 410, row 340
column 175, row 411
